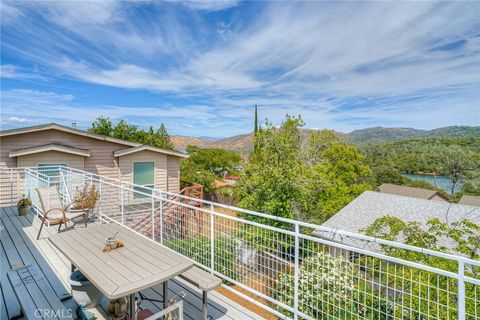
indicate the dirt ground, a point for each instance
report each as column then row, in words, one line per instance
column 247, row 304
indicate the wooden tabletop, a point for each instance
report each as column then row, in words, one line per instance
column 139, row 265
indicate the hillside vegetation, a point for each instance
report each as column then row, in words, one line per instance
column 244, row 142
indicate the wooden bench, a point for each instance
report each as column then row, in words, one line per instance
column 204, row 281
column 37, row 299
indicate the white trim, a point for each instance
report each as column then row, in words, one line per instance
column 127, row 151
column 46, row 148
column 58, row 127
column 143, row 186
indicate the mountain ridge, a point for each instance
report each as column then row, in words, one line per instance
column 244, row 142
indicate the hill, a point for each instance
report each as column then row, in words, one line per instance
column 244, row 142
column 382, row 134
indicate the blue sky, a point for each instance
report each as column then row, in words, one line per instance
column 199, row 67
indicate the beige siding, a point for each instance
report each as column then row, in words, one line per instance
column 160, row 162
column 101, row 160
column 54, row 157
column 173, row 172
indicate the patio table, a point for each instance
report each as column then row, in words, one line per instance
column 124, row 271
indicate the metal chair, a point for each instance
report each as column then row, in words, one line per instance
column 53, row 211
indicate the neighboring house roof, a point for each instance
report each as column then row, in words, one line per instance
column 467, row 200
column 124, row 152
column 49, row 147
column 409, row 191
column 218, row 184
column 55, row 126
column 366, row 208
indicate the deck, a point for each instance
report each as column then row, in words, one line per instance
column 20, row 247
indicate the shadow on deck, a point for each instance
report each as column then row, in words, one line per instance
column 20, row 247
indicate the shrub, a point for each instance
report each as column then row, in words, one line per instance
column 198, row 249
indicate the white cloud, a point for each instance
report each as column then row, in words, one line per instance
column 19, row 120
column 208, row 5
column 9, row 71
column 339, row 64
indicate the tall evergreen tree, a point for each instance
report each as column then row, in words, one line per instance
column 163, row 138
column 255, row 130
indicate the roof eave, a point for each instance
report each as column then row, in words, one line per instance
column 35, row 150
column 125, row 152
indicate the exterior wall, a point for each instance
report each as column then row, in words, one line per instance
column 173, row 172
column 101, row 160
column 160, row 163
column 54, row 157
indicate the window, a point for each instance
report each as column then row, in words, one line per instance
column 143, row 175
column 51, row 170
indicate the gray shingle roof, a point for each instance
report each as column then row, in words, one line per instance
column 369, row 206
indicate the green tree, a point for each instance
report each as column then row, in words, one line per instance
column 269, row 183
column 205, row 165
column 255, row 129
column 457, row 163
column 125, row 131
column 102, row 125
column 309, row 182
column 122, row 130
column 161, row 138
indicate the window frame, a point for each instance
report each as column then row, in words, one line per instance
column 142, row 187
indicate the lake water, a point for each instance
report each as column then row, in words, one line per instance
column 440, row 182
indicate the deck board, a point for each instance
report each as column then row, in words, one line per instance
column 19, row 246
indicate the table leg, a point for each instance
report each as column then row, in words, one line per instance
column 132, row 307
column 165, row 294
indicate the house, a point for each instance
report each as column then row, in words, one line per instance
column 370, row 205
column 467, row 200
column 412, row 192
column 54, row 144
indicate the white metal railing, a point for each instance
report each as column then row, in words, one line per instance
column 284, row 269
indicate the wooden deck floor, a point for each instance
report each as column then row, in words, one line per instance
column 20, row 247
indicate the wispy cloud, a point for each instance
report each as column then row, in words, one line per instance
column 339, row 64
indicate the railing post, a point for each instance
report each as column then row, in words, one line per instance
column 11, row 187
column 100, row 190
column 153, row 216
column 212, row 238
column 296, row 274
column 161, row 218
column 26, row 183
column 121, row 202
column 461, row 290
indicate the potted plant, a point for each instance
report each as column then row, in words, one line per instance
column 23, row 205
column 86, row 198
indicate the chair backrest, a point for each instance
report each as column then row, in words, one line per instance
column 49, row 198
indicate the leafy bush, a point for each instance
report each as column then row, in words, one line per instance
column 371, row 288
column 324, row 283
column 198, row 249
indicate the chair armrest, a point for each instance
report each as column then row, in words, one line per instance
column 76, row 209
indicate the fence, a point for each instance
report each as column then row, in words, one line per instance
column 283, row 268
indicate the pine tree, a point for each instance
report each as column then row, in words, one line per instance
column 255, row 130
column 163, row 138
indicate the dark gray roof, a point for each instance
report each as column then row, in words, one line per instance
column 408, row 191
column 467, row 200
column 366, row 208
